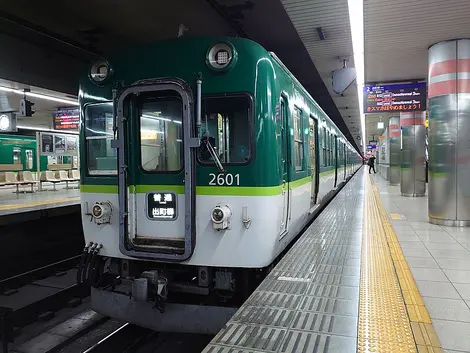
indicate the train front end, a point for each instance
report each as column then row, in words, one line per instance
column 171, row 191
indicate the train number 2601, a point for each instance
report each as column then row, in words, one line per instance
column 224, row 179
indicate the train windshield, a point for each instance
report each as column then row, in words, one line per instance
column 101, row 158
column 226, row 125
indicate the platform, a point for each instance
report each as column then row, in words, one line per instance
column 16, row 203
column 347, row 285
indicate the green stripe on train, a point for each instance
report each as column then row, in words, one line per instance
column 200, row 190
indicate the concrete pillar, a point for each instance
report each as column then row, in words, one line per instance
column 413, row 165
column 449, row 131
column 394, row 138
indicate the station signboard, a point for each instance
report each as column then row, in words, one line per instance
column 66, row 119
column 407, row 97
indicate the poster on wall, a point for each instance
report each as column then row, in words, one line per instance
column 47, row 143
column 71, row 145
column 59, row 144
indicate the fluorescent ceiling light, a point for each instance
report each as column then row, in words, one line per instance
column 356, row 21
column 24, row 127
column 39, row 96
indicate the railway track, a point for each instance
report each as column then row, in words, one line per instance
column 36, row 295
column 116, row 337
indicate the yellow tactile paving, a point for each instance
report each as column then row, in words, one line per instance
column 392, row 315
column 39, row 203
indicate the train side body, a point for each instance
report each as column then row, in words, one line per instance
column 256, row 187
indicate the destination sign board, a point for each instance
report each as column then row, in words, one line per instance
column 66, row 119
column 161, row 206
column 409, row 97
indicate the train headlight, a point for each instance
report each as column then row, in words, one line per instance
column 97, row 211
column 221, row 57
column 101, row 212
column 221, row 217
column 100, row 71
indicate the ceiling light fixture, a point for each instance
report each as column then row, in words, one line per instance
column 39, row 96
column 356, row 21
column 320, row 33
column 35, row 128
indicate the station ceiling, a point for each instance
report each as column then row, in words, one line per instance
column 43, row 109
column 287, row 28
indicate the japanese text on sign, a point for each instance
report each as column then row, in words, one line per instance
column 66, row 119
column 161, row 206
column 395, row 98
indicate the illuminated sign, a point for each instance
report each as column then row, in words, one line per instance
column 410, row 97
column 371, row 147
column 66, row 119
column 161, row 206
column 7, row 122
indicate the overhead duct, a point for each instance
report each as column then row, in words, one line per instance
column 343, row 78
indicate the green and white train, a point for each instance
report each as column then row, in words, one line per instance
column 204, row 159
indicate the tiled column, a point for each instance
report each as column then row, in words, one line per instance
column 413, row 165
column 449, row 131
column 394, row 147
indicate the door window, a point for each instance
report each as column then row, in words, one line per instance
column 16, row 155
column 298, row 140
column 29, row 159
column 161, row 133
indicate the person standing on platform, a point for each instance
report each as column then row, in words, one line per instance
column 371, row 164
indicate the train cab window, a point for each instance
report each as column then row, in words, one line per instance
column 29, row 159
column 298, row 140
column 161, row 134
column 101, row 158
column 226, row 125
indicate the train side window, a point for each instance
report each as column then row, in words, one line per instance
column 29, row 159
column 325, row 162
column 298, row 140
column 101, row 158
column 227, row 125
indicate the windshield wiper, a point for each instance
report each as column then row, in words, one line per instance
column 214, row 155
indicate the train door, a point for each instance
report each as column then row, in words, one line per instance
column 156, row 163
column 336, row 159
column 313, row 159
column 345, row 158
column 285, row 166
